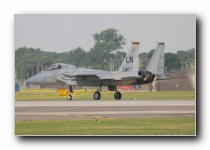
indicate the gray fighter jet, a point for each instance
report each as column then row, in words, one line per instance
column 128, row 74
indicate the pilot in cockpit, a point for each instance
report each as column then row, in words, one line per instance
column 57, row 66
column 54, row 67
column 60, row 66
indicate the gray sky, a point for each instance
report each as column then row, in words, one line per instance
column 59, row 33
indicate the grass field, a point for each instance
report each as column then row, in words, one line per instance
column 53, row 94
column 143, row 126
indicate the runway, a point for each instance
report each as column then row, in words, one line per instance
column 66, row 110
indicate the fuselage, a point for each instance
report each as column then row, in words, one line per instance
column 106, row 78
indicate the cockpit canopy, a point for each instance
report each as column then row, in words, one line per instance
column 60, row 66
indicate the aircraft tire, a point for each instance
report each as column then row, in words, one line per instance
column 69, row 97
column 97, row 95
column 117, row 95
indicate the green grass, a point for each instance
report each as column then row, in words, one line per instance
column 53, row 94
column 143, row 126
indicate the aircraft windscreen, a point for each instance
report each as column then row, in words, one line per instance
column 59, row 66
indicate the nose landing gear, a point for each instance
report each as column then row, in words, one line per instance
column 69, row 97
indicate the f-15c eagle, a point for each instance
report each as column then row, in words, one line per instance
column 128, row 74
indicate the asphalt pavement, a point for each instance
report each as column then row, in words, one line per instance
column 67, row 110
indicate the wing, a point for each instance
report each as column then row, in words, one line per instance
column 81, row 76
column 91, row 76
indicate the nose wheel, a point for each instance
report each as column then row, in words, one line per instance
column 69, row 97
column 97, row 95
column 117, row 95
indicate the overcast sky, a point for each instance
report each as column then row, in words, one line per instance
column 61, row 33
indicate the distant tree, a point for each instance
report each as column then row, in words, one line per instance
column 98, row 59
column 30, row 61
column 109, row 39
column 144, row 59
column 150, row 53
column 79, row 55
column 187, row 58
column 172, row 61
column 106, row 42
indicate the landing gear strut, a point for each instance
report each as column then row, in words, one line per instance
column 69, row 97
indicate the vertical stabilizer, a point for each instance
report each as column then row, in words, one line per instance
column 131, row 60
column 156, row 64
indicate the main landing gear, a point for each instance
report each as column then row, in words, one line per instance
column 97, row 95
column 117, row 95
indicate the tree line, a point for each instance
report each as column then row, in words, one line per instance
column 105, row 55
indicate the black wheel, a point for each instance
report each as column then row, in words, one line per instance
column 117, row 95
column 96, row 95
column 69, row 97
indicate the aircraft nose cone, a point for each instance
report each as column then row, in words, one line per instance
column 31, row 80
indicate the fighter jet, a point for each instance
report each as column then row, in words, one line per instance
column 128, row 74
